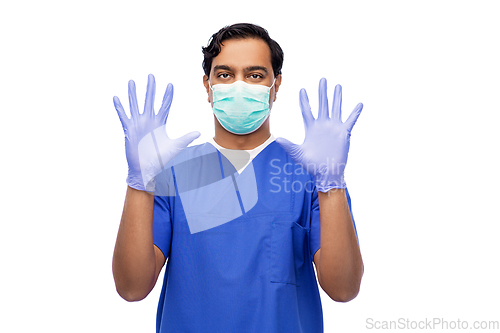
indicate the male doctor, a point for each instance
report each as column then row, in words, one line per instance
column 239, row 220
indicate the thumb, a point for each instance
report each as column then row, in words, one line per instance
column 186, row 139
column 292, row 149
column 354, row 116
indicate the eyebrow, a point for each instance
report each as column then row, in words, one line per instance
column 256, row 68
column 247, row 69
column 222, row 67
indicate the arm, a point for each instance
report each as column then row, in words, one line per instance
column 137, row 262
column 338, row 262
column 324, row 155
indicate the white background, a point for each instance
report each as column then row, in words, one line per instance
column 422, row 172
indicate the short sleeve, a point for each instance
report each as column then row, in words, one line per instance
column 162, row 226
column 314, row 237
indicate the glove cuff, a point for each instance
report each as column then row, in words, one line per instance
column 138, row 183
column 325, row 183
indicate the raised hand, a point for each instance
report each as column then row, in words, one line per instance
column 326, row 145
column 147, row 145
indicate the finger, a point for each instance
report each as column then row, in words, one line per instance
column 132, row 99
column 306, row 108
column 337, row 103
column 186, row 139
column 323, row 100
column 121, row 111
column 150, row 96
column 165, row 104
column 290, row 148
column 353, row 117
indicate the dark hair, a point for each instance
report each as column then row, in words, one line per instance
column 241, row 31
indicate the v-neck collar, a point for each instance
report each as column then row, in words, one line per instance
column 253, row 152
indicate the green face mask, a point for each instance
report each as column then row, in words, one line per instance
column 241, row 108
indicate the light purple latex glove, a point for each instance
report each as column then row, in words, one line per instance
column 147, row 145
column 326, row 145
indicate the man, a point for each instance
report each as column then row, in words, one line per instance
column 242, row 218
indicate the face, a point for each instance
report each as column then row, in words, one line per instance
column 247, row 60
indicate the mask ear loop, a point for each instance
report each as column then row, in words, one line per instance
column 272, row 86
column 273, row 83
column 210, row 86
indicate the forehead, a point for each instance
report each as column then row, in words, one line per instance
column 242, row 53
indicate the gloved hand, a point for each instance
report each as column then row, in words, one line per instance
column 324, row 151
column 147, row 145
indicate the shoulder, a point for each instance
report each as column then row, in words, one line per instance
column 279, row 159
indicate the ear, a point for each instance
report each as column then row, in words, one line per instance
column 277, row 84
column 207, row 87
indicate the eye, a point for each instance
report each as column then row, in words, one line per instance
column 223, row 75
column 256, row 76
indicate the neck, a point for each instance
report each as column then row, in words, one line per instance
column 250, row 141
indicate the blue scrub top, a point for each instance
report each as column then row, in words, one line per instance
column 240, row 247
